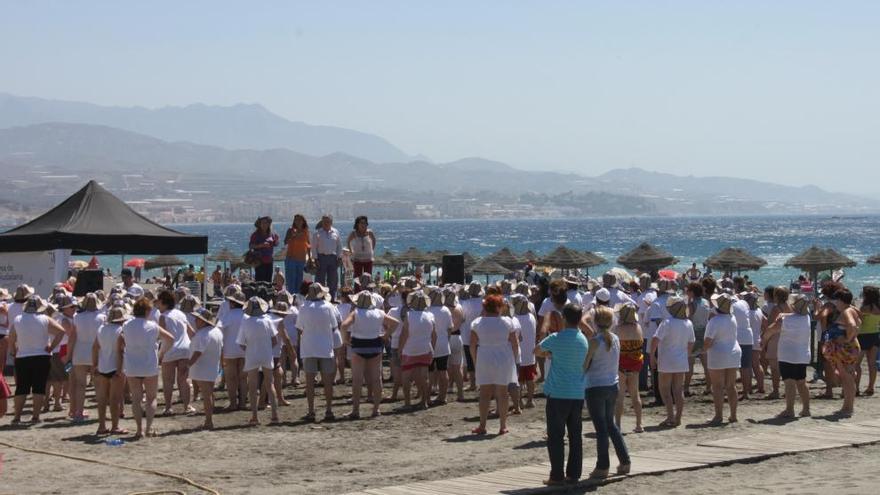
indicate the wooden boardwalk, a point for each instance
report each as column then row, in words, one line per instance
column 528, row 479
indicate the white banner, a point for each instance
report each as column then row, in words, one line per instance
column 39, row 269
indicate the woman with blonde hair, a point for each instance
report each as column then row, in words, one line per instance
column 673, row 341
column 630, row 363
column 725, row 356
column 601, row 366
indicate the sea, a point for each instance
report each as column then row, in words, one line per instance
column 691, row 239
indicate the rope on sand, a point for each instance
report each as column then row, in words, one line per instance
column 182, row 479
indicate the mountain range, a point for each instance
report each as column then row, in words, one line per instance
column 247, row 142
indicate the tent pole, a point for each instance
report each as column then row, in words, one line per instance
column 205, row 278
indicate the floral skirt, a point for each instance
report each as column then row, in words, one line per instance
column 845, row 354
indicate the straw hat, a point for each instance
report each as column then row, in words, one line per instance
column 800, row 304
column 520, row 304
column 317, row 292
column 64, row 301
column 410, row 283
column 22, row 293
column 609, row 279
column 666, row 286
column 90, row 302
column 237, row 297
column 256, row 306
column 231, row 290
column 205, row 315
column 677, row 307
column 180, row 292
column 418, row 301
column 450, row 297
column 281, row 308
column 522, row 288
column 722, row 303
column 364, row 300
column 34, row 304
column 116, row 314
column 627, row 312
column 572, row 281
column 645, row 281
column 189, row 303
column 4, row 294
column 474, row 289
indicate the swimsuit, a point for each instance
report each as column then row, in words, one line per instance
column 631, row 356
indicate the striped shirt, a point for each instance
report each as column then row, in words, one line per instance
column 568, row 350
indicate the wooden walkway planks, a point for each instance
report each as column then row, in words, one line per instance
column 528, row 479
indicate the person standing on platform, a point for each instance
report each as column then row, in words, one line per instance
column 362, row 244
column 298, row 245
column 263, row 242
column 327, row 250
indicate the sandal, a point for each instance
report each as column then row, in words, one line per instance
column 478, row 431
column 253, row 422
column 352, row 416
column 329, row 416
column 309, row 416
column 102, row 431
column 503, row 431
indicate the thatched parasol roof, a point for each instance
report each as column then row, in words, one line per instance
column 412, row 255
column 646, row 257
column 224, row 256
column 163, row 261
column 734, row 259
column 566, row 258
column 488, row 267
column 530, row 256
column 506, row 258
column 816, row 259
column 385, row 259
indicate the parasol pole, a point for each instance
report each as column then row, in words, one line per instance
column 814, row 275
column 205, row 277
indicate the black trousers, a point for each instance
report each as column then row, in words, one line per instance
column 263, row 272
column 562, row 415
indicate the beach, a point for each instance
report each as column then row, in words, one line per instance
column 397, row 448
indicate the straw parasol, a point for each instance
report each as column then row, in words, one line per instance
column 384, row 259
column 436, row 257
column 566, row 258
column 489, row 267
column 507, row 259
column 734, row 259
column 412, row 255
column 163, row 261
column 647, row 258
column 816, row 259
column 226, row 256
column 469, row 259
column 530, row 256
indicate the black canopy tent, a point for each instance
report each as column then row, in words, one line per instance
column 94, row 221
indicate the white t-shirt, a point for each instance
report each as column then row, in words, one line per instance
column 472, row 308
column 794, row 339
column 528, row 329
column 443, row 326
column 176, row 323
column 317, row 322
column 618, row 297
column 108, row 352
column 31, row 334
column 367, row 323
column 141, row 357
column 290, row 325
column 256, row 336
column 756, row 321
column 421, row 328
column 725, row 352
column 740, row 311
column 87, row 325
column 673, row 337
column 656, row 314
column 395, row 334
column 208, row 341
column 230, row 325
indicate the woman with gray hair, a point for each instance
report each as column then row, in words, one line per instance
column 725, row 357
column 363, row 330
column 439, row 367
column 793, row 331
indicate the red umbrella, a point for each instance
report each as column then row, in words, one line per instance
column 135, row 263
column 668, row 274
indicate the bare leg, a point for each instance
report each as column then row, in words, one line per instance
column 758, row 370
column 678, row 396
column 847, row 378
column 774, row 378
column 485, row 397
column 151, row 388
column 632, row 383
column 207, row 389
column 730, row 385
column 373, row 374
column 183, row 389
column 422, row 385
column 621, row 397
column 457, row 379
column 137, row 397
column 666, row 393
column 230, row 374
column 442, row 386
column 102, row 393
column 872, row 370
column 407, row 380
column 804, row 392
column 746, row 376
column 269, row 386
column 328, row 391
column 310, row 392
column 789, row 399
column 38, row 407
column 717, row 394
column 358, row 366
column 253, row 378
column 117, row 385
column 501, row 401
column 168, row 373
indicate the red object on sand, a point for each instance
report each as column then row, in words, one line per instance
column 93, row 263
column 668, row 274
column 135, row 263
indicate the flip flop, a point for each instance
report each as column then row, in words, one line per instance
column 478, row 431
column 105, row 431
column 503, row 431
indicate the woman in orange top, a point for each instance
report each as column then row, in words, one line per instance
column 297, row 241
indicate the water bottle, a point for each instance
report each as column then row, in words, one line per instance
column 68, row 367
column 114, row 442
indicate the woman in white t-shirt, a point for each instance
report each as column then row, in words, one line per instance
column 793, row 332
column 109, row 379
column 176, row 355
column 725, row 357
column 81, row 338
column 494, row 348
column 456, row 348
column 417, row 340
column 756, row 321
column 283, row 316
column 439, row 368
column 139, row 346
column 673, row 342
column 526, row 368
column 257, row 336
column 206, row 348
column 233, row 355
column 364, row 329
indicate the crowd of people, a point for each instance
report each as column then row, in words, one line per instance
column 591, row 342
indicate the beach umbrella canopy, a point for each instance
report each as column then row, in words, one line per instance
column 227, row 256
column 816, row 259
column 436, row 257
column 384, row 259
column 530, row 256
column 668, row 274
column 135, row 263
column 734, row 259
column 646, row 258
column 506, row 258
column 566, row 258
column 874, row 260
column 163, row 261
column 488, row 267
column 594, row 258
column 412, row 255
column 469, row 259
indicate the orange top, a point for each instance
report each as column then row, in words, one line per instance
column 298, row 246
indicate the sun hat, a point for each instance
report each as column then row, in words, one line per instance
column 204, row 315
column 603, row 295
column 677, row 307
column 180, row 292
column 22, row 293
column 64, row 301
column 317, row 292
column 410, row 283
column 474, row 289
column 418, row 301
column 237, row 297
column 520, row 304
column 364, row 300
column 522, row 287
column 4, row 294
column 231, row 289
column 189, row 303
column 722, row 303
column 571, row 281
column 136, row 291
column 256, row 306
column 281, row 308
column 436, row 295
column 34, row 304
column 116, row 314
column 645, row 281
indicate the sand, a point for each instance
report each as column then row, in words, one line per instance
column 342, row 456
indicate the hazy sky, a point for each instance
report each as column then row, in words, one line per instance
column 787, row 91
